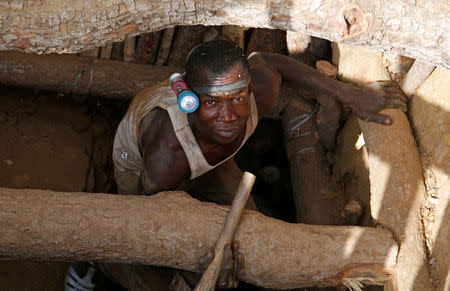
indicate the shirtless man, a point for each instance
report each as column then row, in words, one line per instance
column 158, row 147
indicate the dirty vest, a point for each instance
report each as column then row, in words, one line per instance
column 126, row 154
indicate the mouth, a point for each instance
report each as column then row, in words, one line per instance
column 228, row 131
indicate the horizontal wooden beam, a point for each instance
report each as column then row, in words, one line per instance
column 174, row 230
column 417, row 29
column 79, row 75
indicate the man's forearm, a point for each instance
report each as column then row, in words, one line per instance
column 302, row 75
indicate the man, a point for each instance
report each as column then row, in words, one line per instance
column 158, row 147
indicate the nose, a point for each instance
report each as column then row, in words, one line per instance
column 227, row 113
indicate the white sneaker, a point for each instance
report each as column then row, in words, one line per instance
column 81, row 277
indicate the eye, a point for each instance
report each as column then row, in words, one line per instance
column 238, row 99
column 210, row 102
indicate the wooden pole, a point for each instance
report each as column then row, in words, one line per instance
column 234, row 33
column 164, row 46
column 129, row 50
column 396, row 178
column 314, row 196
column 80, row 75
column 105, row 52
column 147, row 47
column 172, row 229
column 418, row 74
column 211, row 274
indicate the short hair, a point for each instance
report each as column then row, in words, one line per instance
column 218, row 56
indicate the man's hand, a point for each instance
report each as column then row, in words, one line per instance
column 229, row 272
column 366, row 102
column 231, row 265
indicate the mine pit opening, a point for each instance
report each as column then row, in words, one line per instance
column 57, row 131
column 91, row 121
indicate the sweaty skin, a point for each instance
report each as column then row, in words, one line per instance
column 218, row 124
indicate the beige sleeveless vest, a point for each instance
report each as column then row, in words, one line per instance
column 126, row 155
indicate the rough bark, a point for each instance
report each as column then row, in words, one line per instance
column 105, row 52
column 147, row 47
column 234, row 33
column 266, row 40
column 184, row 40
column 129, row 50
column 329, row 114
column 164, row 47
column 418, row 73
column 79, row 75
column 297, row 45
column 396, row 177
column 165, row 230
column 413, row 28
column 429, row 113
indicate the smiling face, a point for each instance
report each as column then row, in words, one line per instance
column 221, row 116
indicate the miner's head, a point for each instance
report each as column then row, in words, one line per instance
column 217, row 71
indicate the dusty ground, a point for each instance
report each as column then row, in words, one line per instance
column 48, row 142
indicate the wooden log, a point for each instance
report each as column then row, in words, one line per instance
column 129, row 50
column 234, row 33
column 211, row 33
column 418, row 30
column 396, row 177
column 429, row 113
column 416, row 75
column 117, row 51
column 297, row 45
column 80, row 75
column 164, row 46
column 329, row 113
column 266, row 40
column 185, row 38
column 174, row 230
column 397, row 65
column 105, row 52
column 147, row 47
column 90, row 53
column 316, row 200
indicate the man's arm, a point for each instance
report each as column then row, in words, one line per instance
column 165, row 164
column 268, row 70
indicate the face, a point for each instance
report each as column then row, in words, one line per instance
column 222, row 116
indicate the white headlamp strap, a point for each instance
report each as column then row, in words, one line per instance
column 222, row 88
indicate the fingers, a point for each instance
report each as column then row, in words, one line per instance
column 226, row 272
column 381, row 119
column 389, row 89
column 231, row 265
column 237, row 257
column 397, row 103
column 395, row 93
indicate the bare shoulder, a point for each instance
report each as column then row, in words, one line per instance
column 265, row 82
column 165, row 162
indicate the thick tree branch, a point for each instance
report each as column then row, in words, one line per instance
column 413, row 28
column 172, row 229
column 80, row 75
